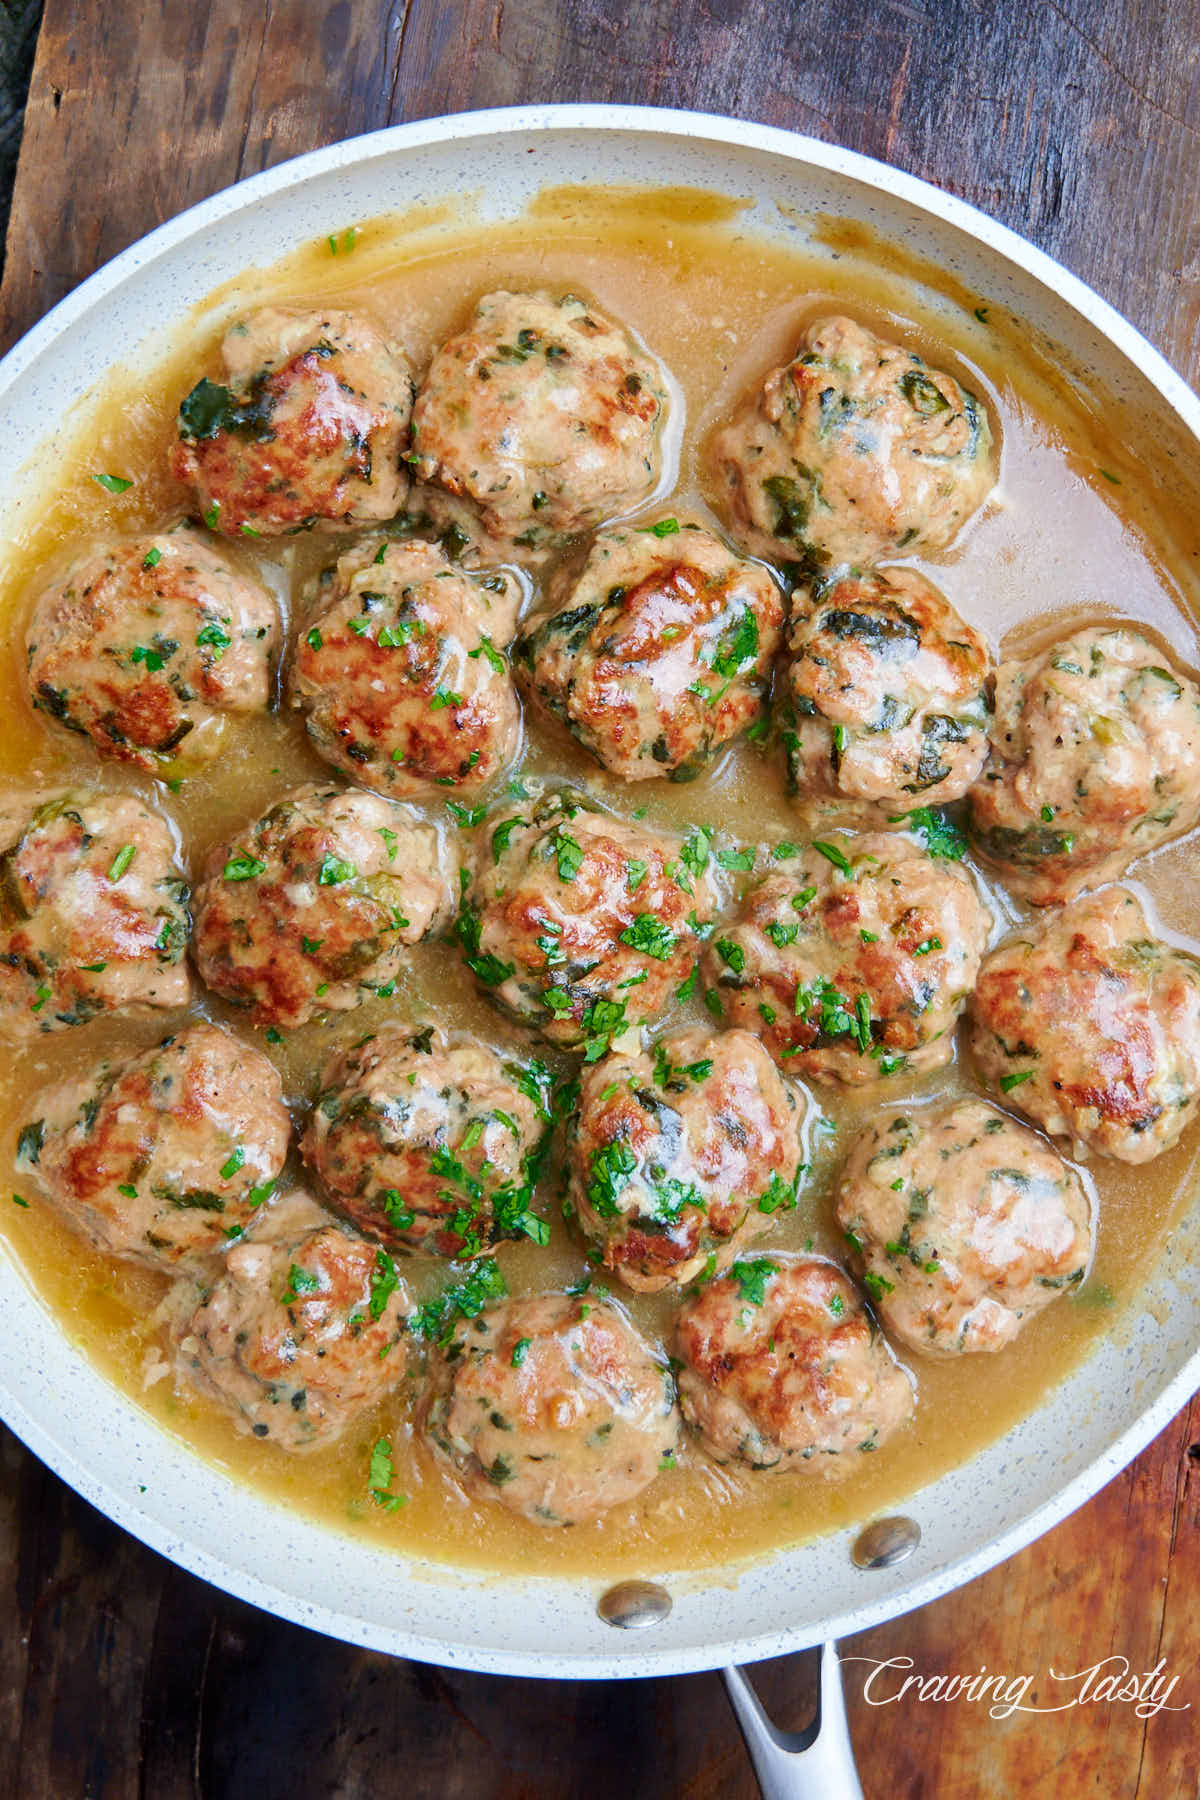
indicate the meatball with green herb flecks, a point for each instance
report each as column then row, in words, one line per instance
column 854, row 451
column 966, row 1224
column 782, row 1365
column 307, row 428
column 166, row 1157
column 581, row 925
column 554, row 1406
column 400, row 673
column 1090, row 1024
column 1095, row 759
column 657, row 652
column 312, row 906
column 887, row 685
column 93, row 911
column 298, row 1337
column 678, row 1160
column 539, row 420
column 852, row 959
column 428, row 1143
column 148, row 645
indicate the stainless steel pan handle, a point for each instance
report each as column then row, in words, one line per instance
column 814, row 1764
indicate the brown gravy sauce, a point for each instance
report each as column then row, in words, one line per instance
column 1060, row 541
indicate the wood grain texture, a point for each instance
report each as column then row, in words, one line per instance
column 1077, row 122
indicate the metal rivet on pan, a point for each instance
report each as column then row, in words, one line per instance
column 885, row 1542
column 632, row 1605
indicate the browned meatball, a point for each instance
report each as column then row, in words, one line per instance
column 966, row 1224
column 853, row 959
column 553, row 1406
column 541, row 419
column 680, row 1160
column 146, row 645
column 782, row 1365
column 852, row 452
column 1091, row 1025
column 298, row 1338
column 658, row 651
column 165, row 1157
column 93, row 911
column 1095, row 760
column 887, row 688
column 399, row 671
column 307, row 430
column 581, row 925
column 312, row 906
column 431, row 1144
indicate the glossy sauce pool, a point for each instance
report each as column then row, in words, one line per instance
column 1070, row 534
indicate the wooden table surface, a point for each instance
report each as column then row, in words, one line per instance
column 1078, row 123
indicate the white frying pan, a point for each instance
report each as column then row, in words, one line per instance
column 969, row 1519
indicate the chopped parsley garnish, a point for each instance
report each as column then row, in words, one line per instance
column 742, row 860
column 937, row 831
column 1009, row 1082
column 695, row 852
column 243, row 867
column 488, row 649
column 687, row 986
column 153, row 659
column 466, row 816
column 435, row 1319
column 313, row 639
column 737, row 647
column 731, row 954
column 635, row 874
column 650, row 936
column 752, row 1278
column 662, row 528
column 212, row 637
column 152, row 558
column 832, row 854
column 233, row 1162
column 612, row 1168
column 301, row 1281
column 380, row 1475
column 520, row 1351
column 501, row 836
column 334, row 870
column 40, row 997
column 384, row 1282
column 390, row 840
column 121, row 861
column 443, row 698
column 113, row 484
column 568, row 855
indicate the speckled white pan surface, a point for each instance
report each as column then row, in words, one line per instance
column 150, row 1483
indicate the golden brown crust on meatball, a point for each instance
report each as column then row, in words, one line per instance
column 783, row 1367
column 399, row 671
column 311, row 907
column 146, row 644
column 93, row 911
column 430, row 1144
column 1095, row 760
column 553, row 1406
column 887, row 687
column 539, row 420
column 1091, row 1025
column 678, row 1160
column 657, row 652
column 581, row 925
column 965, row 1222
column 308, row 428
column 298, row 1338
column 164, row 1158
column 854, row 451
column 852, row 960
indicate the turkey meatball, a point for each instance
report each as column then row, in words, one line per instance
column 428, row 1144
column 678, row 1161
column 297, row 1339
column 853, row 959
column 852, row 452
column 400, row 675
column 581, row 925
column 544, row 418
column 657, row 652
column 93, row 911
column 554, row 1406
column 165, row 1157
column 782, row 1363
column 966, row 1224
column 1095, row 760
column 307, row 428
column 1091, row 1025
column 887, row 688
column 312, row 906
column 146, row 645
